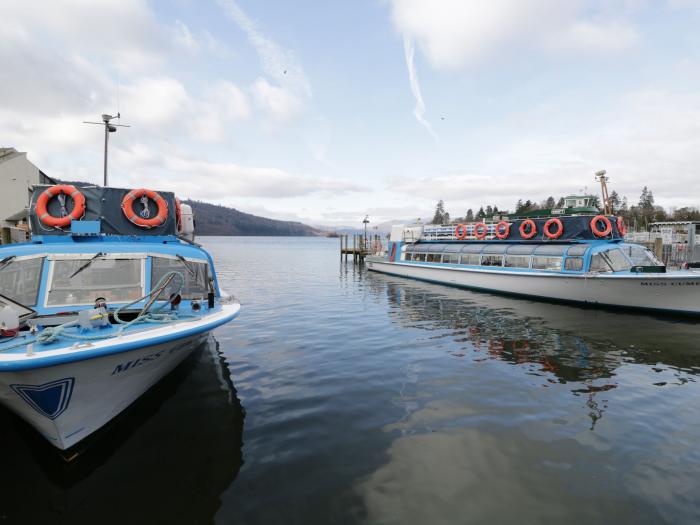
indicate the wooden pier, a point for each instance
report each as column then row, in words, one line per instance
column 360, row 248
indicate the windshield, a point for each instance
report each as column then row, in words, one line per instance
column 117, row 280
column 20, row 279
column 195, row 273
column 640, row 256
column 612, row 260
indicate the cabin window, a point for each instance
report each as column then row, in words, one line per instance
column 419, row 257
column 195, row 274
column 433, row 257
column 600, row 264
column 450, row 258
column 117, row 280
column 573, row 264
column 618, row 261
column 546, row 263
column 492, row 260
column 20, row 279
column 517, row 261
column 471, row 258
column 408, row 256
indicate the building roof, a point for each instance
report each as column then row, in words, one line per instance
column 9, row 153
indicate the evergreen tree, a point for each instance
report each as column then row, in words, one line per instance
column 615, row 202
column 445, row 218
column 528, row 205
column 519, row 206
column 560, row 202
column 549, row 203
column 495, row 210
column 470, row 215
column 480, row 214
column 489, row 211
column 439, row 212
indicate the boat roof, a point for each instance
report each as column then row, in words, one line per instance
column 168, row 245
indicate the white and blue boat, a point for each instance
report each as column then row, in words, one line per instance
column 109, row 296
column 578, row 259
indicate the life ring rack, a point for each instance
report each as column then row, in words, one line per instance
column 42, row 203
column 145, row 221
column 597, row 231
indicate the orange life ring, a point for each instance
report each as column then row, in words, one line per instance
column 621, row 228
column 145, row 222
column 178, row 215
column 594, row 226
column 480, row 230
column 506, row 231
column 533, row 229
column 41, row 208
column 461, row 231
column 556, row 234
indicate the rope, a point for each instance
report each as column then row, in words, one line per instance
column 51, row 334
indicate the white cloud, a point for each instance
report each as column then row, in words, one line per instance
column 647, row 137
column 154, row 101
column 277, row 102
column 293, row 89
column 454, row 33
column 221, row 181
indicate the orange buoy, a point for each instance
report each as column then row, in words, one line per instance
column 178, row 215
column 532, row 231
column 141, row 221
column 480, row 230
column 461, row 231
column 597, row 231
column 502, row 230
column 556, row 233
column 621, row 227
column 42, row 203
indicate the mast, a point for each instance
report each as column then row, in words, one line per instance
column 109, row 128
column 600, row 176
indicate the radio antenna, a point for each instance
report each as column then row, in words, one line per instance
column 109, row 128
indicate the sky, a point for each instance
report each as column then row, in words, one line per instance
column 324, row 111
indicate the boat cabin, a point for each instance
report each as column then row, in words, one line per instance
column 599, row 257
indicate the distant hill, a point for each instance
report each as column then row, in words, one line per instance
column 212, row 219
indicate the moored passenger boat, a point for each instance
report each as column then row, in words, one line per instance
column 582, row 259
column 110, row 295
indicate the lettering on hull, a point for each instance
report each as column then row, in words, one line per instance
column 130, row 365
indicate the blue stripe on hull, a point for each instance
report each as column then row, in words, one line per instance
column 41, row 362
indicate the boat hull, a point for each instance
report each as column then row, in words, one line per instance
column 674, row 293
column 68, row 393
column 67, row 403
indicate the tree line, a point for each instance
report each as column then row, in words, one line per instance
column 638, row 215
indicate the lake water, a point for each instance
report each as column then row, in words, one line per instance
column 345, row 396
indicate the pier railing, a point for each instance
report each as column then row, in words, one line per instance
column 361, row 246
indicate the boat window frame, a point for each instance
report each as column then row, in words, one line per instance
column 42, row 269
column 52, row 258
column 476, row 255
column 523, row 256
column 559, row 258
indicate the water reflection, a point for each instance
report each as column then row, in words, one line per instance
column 519, row 410
column 166, row 459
